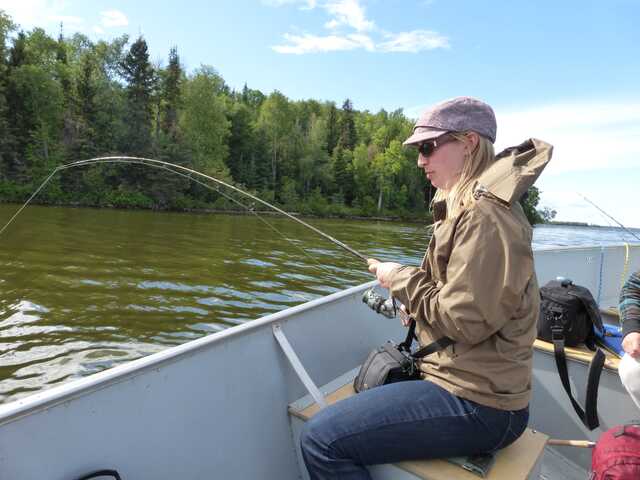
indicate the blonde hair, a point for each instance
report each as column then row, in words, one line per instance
column 460, row 195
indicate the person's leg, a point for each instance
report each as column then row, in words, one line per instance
column 402, row 421
column 629, row 370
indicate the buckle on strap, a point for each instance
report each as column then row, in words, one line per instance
column 557, row 333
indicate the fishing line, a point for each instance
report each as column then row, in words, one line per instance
column 170, row 167
column 609, row 216
column 237, row 202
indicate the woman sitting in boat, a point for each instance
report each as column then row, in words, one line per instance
column 476, row 285
column 629, row 308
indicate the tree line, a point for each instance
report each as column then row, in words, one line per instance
column 71, row 98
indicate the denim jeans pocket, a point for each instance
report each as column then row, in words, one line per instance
column 515, row 427
column 503, row 427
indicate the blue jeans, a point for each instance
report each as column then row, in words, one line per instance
column 402, row 421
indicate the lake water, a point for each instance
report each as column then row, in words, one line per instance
column 82, row 290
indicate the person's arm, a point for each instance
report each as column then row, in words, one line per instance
column 630, row 315
column 487, row 274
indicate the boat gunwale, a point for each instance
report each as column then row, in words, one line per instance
column 608, row 246
column 54, row 396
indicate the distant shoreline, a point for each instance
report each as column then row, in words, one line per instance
column 585, row 224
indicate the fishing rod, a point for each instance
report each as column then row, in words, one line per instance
column 185, row 172
column 605, row 213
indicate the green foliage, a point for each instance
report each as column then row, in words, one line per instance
column 204, row 124
column 529, row 204
column 276, row 122
column 288, row 196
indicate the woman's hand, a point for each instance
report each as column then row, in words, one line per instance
column 405, row 318
column 630, row 343
column 382, row 270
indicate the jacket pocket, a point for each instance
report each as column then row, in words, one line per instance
column 458, row 349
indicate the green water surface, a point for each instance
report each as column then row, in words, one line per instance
column 82, row 290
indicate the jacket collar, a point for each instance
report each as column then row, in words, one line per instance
column 515, row 170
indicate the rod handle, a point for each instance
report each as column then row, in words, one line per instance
column 571, row 443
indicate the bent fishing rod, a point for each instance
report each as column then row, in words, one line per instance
column 185, row 172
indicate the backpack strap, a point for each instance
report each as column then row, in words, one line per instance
column 588, row 415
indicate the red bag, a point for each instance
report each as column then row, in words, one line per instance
column 616, row 455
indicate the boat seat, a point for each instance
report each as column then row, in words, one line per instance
column 581, row 354
column 612, row 312
column 520, row 460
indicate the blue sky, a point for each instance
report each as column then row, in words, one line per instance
column 566, row 72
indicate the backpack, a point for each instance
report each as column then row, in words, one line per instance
column 568, row 315
column 616, row 455
column 568, row 309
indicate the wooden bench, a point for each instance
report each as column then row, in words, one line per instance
column 520, row 460
column 581, row 354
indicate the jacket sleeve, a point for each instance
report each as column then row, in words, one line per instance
column 487, row 275
column 630, row 305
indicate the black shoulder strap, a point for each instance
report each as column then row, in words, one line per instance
column 411, row 334
column 433, row 347
column 588, row 416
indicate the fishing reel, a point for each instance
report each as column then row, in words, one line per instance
column 381, row 305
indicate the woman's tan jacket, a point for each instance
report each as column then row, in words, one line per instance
column 477, row 285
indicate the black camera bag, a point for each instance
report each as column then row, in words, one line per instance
column 570, row 310
column 568, row 315
column 392, row 363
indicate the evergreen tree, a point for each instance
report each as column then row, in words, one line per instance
column 141, row 80
column 348, row 136
column 333, row 132
column 171, row 96
column 343, row 173
column 167, row 190
column 242, row 146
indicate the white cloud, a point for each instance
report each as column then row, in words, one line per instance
column 114, row 18
column 299, row 44
column 414, row 41
column 350, row 13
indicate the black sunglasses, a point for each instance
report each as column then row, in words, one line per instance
column 430, row 146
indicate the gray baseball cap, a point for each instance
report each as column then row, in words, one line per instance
column 459, row 114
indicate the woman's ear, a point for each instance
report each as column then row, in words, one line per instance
column 472, row 141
